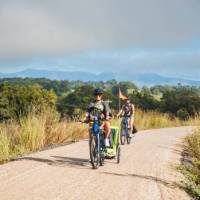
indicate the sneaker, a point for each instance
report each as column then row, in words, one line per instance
column 107, row 144
column 131, row 135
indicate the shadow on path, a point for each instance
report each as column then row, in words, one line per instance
column 181, row 150
column 151, row 178
column 72, row 161
column 178, row 148
column 62, row 161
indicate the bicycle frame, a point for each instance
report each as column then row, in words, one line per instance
column 95, row 130
column 125, row 123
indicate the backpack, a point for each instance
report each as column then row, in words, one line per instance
column 107, row 108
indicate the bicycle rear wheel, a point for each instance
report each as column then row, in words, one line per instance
column 122, row 136
column 102, row 158
column 101, row 154
column 128, row 138
column 94, row 151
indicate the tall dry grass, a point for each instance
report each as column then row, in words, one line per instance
column 191, row 168
column 32, row 133
column 4, row 146
column 35, row 132
column 193, row 144
column 152, row 120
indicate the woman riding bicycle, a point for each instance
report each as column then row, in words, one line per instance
column 128, row 110
column 101, row 109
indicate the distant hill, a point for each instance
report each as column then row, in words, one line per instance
column 155, row 79
column 59, row 75
column 148, row 79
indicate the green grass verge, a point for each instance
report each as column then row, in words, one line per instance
column 191, row 167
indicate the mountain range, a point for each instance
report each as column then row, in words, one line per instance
column 148, row 79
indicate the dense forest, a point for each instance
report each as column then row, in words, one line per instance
column 18, row 96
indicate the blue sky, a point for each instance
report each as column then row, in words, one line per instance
column 130, row 36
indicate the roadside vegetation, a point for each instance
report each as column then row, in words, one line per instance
column 40, row 113
column 37, row 131
column 190, row 168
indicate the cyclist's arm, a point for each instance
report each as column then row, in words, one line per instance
column 106, row 111
column 133, row 109
column 87, row 114
column 107, row 116
column 120, row 112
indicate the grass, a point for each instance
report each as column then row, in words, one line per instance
column 152, row 120
column 191, row 168
column 38, row 131
column 4, row 146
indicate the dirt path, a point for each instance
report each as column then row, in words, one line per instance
column 64, row 173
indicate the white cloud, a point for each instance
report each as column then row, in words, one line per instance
column 60, row 33
column 36, row 28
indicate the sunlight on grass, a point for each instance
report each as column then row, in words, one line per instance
column 35, row 132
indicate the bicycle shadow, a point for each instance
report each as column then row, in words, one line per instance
column 73, row 161
column 62, row 161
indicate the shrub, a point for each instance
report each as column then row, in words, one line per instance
column 18, row 101
column 182, row 114
column 4, row 146
column 191, row 170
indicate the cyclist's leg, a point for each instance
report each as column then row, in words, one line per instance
column 106, row 126
column 131, row 121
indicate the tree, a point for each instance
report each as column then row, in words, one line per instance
column 80, row 98
column 124, row 87
column 183, row 100
column 18, row 101
column 144, row 101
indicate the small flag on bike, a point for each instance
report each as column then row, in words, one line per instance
column 121, row 96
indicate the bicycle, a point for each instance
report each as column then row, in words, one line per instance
column 96, row 144
column 125, row 131
column 98, row 151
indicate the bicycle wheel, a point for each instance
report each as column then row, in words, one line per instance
column 122, row 136
column 101, row 154
column 94, row 151
column 102, row 158
column 128, row 138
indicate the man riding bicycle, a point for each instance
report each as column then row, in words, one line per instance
column 128, row 110
column 102, row 109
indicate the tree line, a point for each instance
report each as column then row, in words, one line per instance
column 19, row 96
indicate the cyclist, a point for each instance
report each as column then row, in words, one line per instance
column 128, row 110
column 102, row 109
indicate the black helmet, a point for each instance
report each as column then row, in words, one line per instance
column 98, row 91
